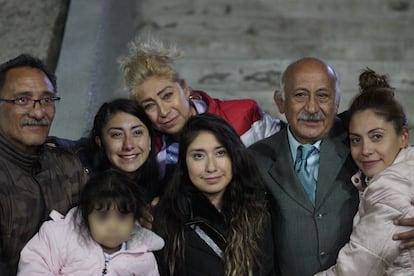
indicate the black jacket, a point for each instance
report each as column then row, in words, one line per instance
column 200, row 258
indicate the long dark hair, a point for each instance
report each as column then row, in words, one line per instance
column 147, row 175
column 243, row 205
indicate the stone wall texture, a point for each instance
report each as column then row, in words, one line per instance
column 34, row 27
column 233, row 48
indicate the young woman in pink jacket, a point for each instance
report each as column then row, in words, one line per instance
column 99, row 237
column 378, row 136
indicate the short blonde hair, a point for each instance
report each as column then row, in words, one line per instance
column 146, row 59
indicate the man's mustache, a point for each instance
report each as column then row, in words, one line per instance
column 304, row 116
column 34, row 122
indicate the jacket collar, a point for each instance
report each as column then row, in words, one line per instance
column 203, row 214
column 201, row 208
column 26, row 162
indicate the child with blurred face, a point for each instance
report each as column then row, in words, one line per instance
column 100, row 236
column 110, row 228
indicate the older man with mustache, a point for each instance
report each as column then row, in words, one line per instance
column 34, row 178
column 307, row 168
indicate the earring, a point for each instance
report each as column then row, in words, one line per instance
column 195, row 97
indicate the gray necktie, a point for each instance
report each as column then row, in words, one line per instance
column 301, row 168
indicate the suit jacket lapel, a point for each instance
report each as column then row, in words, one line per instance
column 333, row 154
column 283, row 173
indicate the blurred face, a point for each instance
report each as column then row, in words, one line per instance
column 209, row 166
column 126, row 142
column 166, row 104
column 110, row 228
column 309, row 105
column 374, row 142
column 26, row 127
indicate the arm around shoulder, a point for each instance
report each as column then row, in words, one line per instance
column 371, row 249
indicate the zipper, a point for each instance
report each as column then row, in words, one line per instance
column 105, row 270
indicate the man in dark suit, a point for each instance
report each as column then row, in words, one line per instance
column 312, row 200
column 312, row 221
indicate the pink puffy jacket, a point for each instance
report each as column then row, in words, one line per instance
column 371, row 249
column 59, row 249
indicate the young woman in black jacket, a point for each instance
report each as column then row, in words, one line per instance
column 213, row 214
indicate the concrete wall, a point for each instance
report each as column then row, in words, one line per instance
column 233, row 48
column 34, row 27
column 97, row 32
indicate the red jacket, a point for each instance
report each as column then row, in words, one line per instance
column 245, row 115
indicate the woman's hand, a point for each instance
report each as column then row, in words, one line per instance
column 147, row 218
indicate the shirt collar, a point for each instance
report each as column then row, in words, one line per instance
column 199, row 105
column 123, row 248
column 294, row 144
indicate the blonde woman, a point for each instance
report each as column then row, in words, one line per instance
column 154, row 82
